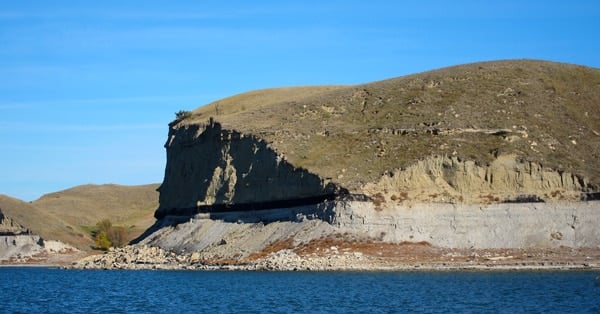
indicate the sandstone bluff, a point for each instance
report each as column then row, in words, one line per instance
column 484, row 163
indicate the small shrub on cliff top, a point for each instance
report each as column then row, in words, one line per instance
column 182, row 114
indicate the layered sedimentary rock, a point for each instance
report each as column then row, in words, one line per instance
column 17, row 241
column 211, row 169
column 229, row 195
column 449, row 179
column 232, row 236
column 506, row 225
column 485, row 155
column 216, row 169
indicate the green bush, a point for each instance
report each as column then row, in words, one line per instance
column 102, row 241
column 106, row 235
column 182, row 114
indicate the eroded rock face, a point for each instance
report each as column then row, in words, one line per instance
column 211, row 166
column 448, row 179
column 9, row 227
column 507, row 225
column 16, row 240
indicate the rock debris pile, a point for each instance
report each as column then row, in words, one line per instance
column 148, row 257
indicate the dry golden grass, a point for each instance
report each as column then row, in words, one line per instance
column 256, row 99
column 88, row 204
column 551, row 110
column 68, row 215
column 43, row 223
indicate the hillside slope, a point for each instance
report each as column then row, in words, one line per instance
column 476, row 133
column 67, row 215
column 45, row 224
column 85, row 205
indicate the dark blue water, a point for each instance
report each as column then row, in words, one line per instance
column 43, row 290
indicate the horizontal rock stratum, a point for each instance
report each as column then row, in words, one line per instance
column 19, row 244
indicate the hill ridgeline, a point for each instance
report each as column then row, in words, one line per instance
column 482, row 133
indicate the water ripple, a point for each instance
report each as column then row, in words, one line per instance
column 43, row 290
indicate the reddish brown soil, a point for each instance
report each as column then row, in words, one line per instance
column 424, row 253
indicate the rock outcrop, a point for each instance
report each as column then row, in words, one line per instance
column 447, row 179
column 17, row 241
column 506, row 225
column 229, row 195
column 10, row 227
column 466, row 158
column 213, row 169
column 19, row 245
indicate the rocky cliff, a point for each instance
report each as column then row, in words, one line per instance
column 213, row 169
column 17, row 241
column 228, row 196
column 19, row 245
column 507, row 225
column 490, row 155
column 449, row 179
column 10, row 227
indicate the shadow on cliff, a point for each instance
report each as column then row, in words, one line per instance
column 235, row 177
column 210, row 169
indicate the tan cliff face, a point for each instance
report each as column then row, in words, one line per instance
column 210, row 166
column 448, row 179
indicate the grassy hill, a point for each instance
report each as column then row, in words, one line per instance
column 43, row 223
column 68, row 215
column 540, row 111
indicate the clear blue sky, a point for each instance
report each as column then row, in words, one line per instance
column 87, row 87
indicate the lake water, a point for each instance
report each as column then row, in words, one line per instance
column 49, row 290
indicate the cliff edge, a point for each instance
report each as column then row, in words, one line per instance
column 212, row 169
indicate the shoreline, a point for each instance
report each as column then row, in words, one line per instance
column 397, row 268
column 288, row 261
column 428, row 259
